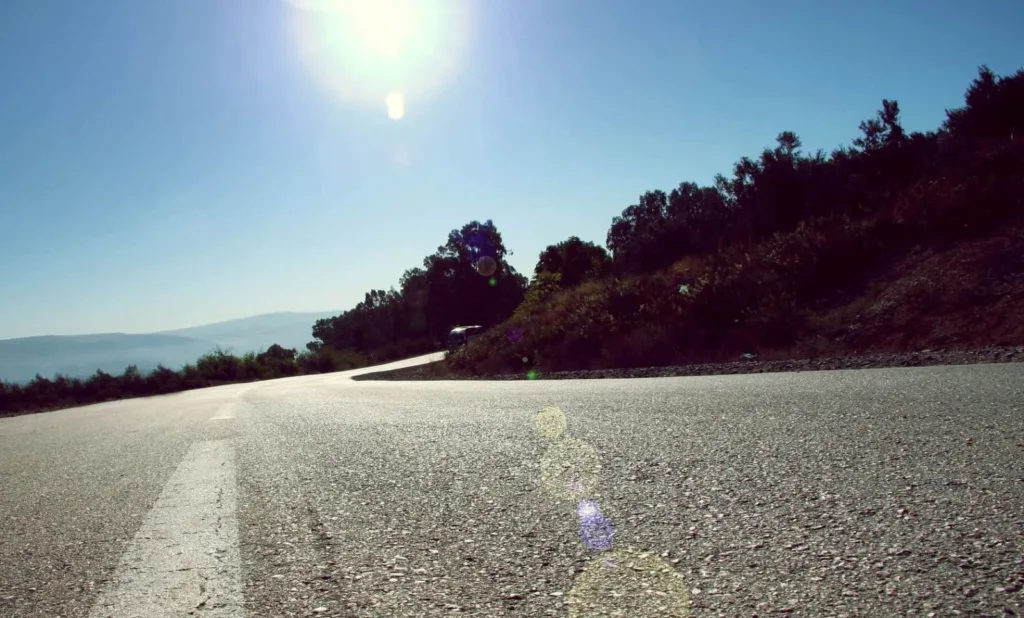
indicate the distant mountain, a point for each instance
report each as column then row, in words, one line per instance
column 81, row 355
column 258, row 332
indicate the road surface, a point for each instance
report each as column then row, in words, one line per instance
column 847, row 493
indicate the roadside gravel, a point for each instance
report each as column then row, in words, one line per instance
column 992, row 354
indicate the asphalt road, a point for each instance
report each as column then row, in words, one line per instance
column 882, row 492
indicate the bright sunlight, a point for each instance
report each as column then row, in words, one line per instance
column 380, row 52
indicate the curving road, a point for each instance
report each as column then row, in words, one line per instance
column 850, row 493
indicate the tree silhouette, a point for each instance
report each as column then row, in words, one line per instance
column 446, row 291
column 575, row 261
column 993, row 108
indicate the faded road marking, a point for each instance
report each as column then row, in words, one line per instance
column 185, row 556
column 225, row 412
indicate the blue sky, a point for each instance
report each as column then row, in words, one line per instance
column 166, row 163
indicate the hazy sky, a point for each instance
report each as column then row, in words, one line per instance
column 165, row 163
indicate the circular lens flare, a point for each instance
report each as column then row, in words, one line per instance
column 628, row 583
column 596, row 533
column 587, row 510
column 570, row 469
column 551, row 423
column 486, row 266
column 515, row 334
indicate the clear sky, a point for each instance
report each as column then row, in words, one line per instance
column 166, row 163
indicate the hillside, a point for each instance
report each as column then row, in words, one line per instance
column 81, row 355
column 901, row 242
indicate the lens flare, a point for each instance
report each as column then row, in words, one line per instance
column 621, row 582
column 486, row 266
column 515, row 334
column 551, row 423
column 628, row 583
column 587, row 510
column 570, row 469
column 396, row 105
column 596, row 532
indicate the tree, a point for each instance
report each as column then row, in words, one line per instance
column 882, row 131
column 132, row 381
column 465, row 281
column 994, row 108
column 102, row 387
column 575, row 261
column 278, row 353
column 163, row 380
column 662, row 228
column 219, row 366
column 459, row 291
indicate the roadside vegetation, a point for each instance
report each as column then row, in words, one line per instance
column 898, row 242
column 894, row 243
column 213, row 369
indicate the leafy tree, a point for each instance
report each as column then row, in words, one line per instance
column 994, row 108
column 456, row 285
column 102, row 386
column 575, row 261
column 882, row 131
column 163, row 380
column 783, row 187
column 662, row 228
column 132, row 382
column 543, row 287
column 278, row 353
column 459, row 292
column 219, row 367
column 276, row 362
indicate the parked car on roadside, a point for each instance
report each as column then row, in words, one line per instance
column 461, row 335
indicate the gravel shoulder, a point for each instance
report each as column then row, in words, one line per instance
column 924, row 358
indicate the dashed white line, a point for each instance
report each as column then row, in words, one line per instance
column 226, row 412
column 185, row 557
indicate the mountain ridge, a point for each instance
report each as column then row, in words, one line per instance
column 21, row 358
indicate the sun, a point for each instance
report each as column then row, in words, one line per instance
column 383, row 27
column 382, row 52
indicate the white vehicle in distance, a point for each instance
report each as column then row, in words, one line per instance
column 461, row 335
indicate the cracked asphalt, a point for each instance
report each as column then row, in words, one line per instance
column 877, row 492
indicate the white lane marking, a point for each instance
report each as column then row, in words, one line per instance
column 185, row 556
column 225, row 412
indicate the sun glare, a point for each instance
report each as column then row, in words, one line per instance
column 384, row 27
column 396, row 105
column 374, row 50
